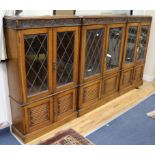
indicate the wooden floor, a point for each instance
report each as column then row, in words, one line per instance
column 98, row 117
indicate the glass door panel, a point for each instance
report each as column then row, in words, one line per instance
column 114, row 47
column 131, row 44
column 65, row 57
column 36, row 60
column 142, row 42
column 94, row 47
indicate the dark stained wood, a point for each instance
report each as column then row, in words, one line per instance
column 92, row 20
column 40, row 22
column 140, row 19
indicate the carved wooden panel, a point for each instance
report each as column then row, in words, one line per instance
column 38, row 114
column 89, row 93
column 138, row 74
column 110, row 84
column 65, row 104
column 126, row 78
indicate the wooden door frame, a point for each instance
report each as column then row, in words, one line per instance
column 142, row 61
column 124, row 65
column 83, row 53
column 76, row 57
column 121, row 48
column 45, row 93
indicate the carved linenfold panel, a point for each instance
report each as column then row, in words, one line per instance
column 37, row 23
column 38, row 114
column 91, row 92
column 65, row 103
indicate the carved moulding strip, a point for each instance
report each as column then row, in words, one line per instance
column 139, row 19
column 103, row 20
column 40, row 23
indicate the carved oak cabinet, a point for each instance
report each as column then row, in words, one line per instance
column 62, row 67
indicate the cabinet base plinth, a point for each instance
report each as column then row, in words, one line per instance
column 31, row 136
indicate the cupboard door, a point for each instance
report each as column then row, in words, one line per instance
column 65, row 104
column 89, row 93
column 93, row 46
column 110, row 84
column 130, row 45
column 143, row 43
column 35, row 59
column 126, row 78
column 39, row 114
column 114, row 47
column 65, row 57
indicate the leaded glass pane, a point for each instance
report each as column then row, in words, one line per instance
column 65, row 57
column 143, row 42
column 36, row 52
column 94, row 46
column 114, row 47
column 131, row 44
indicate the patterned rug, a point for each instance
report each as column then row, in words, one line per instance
column 67, row 137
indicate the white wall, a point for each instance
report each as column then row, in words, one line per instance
column 149, row 70
column 5, row 114
column 100, row 12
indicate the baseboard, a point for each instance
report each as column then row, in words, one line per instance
column 148, row 78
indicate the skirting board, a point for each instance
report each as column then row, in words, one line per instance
column 148, row 78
